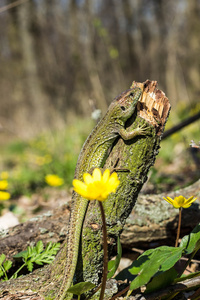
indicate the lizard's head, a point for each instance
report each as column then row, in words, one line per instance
column 127, row 102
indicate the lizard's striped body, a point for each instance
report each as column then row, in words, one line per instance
column 93, row 154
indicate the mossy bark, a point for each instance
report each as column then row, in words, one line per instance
column 132, row 160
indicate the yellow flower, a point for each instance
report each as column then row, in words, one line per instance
column 96, row 186
column 180, row 201
column 4, row 175
column 53, row 180
column 3, row 184
column 4, row 195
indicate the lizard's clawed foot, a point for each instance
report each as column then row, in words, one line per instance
column 143, row 129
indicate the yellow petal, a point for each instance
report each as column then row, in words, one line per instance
column 53, row 180
column 190, row 200
column 79, row 187
column 187, row 205
column 106, row 176
column 4, row 196
column 169, row 200
column 3, row 184
column 96, row 174
column 176, row 205
column 180, row 200
column 87, row 178
column 105, row 195
column 113, row 181
column 92, row 192
column 113, row 177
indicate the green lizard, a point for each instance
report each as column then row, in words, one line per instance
column 93, row 154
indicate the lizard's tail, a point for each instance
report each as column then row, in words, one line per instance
column 73, row 240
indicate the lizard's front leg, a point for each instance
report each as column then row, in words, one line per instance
column 140, row 130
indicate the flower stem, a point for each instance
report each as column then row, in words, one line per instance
column 105, row 249
column 179, row 227
column 15, row 274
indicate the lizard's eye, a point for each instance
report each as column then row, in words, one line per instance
column 131, row 94
column 122, row 108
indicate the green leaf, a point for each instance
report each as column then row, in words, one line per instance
column 125, row 275
column 7, row 265
column 4, row 266
column 41, row 256
column 2, row 258
column 20, row 254
column 161, row 280
column 30, row 250
column 29, row 265
column 39, row 247
column 1, row 272
column 24, row 254
column 80, row 288
column 38, row 254
column 169, row 256
column 151, row 261
column 49, row 246
column 191, row 242
column 38, row 262
column 113, row 264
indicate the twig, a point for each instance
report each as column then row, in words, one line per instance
column 181, row 125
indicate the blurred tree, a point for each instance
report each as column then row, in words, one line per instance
column 34, row 100
column 55, row 55
column 192, row 47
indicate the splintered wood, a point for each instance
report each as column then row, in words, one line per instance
column 154, row 106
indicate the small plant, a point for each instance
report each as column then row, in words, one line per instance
column 33, row 255
column 180, row 202
column 155, row 269
column 5, row 265
column 97, row 187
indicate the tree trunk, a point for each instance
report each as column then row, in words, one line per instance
column 31, row 84
column 132, row 160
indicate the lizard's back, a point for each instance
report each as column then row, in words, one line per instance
column 93, row 154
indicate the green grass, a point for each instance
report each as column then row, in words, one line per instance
column 48, row 153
